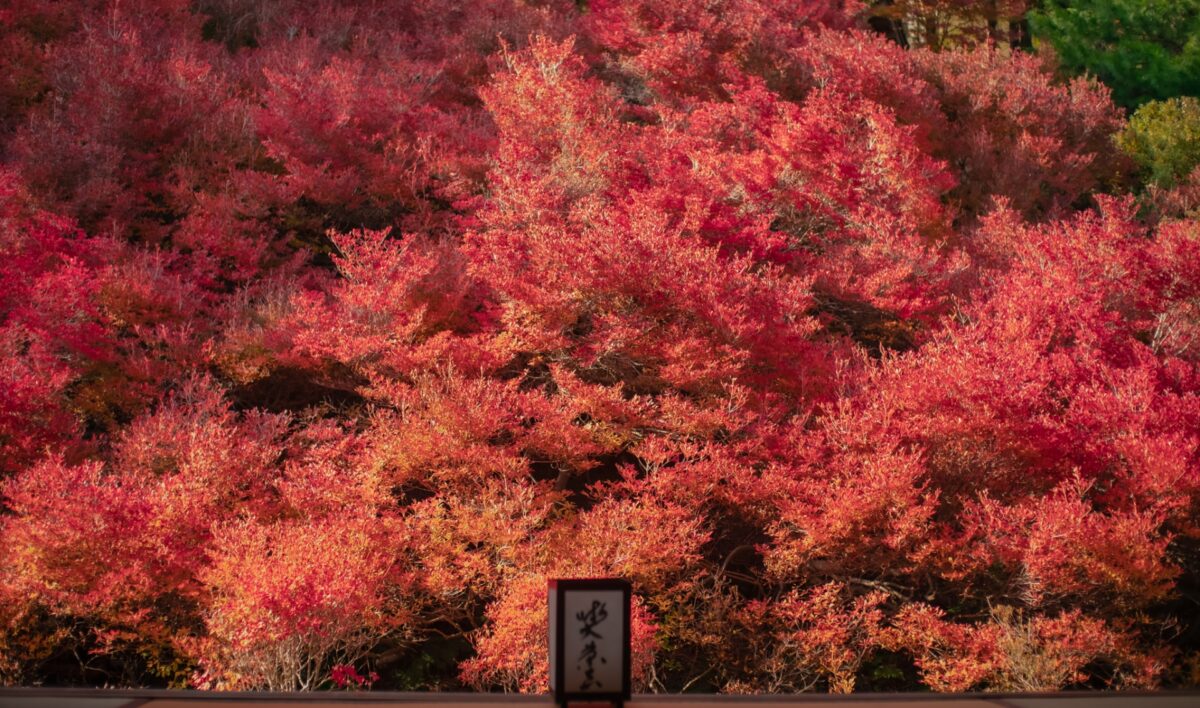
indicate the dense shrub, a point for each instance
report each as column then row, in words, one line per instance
column 329, row 332
column 1163, row 138
column 1144, row 49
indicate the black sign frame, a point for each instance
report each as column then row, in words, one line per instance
column 559, row 587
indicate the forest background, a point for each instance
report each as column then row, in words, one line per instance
column 865, row 341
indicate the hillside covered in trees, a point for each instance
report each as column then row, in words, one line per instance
column 864, row 343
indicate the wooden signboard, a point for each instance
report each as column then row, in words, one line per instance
column 589, row 640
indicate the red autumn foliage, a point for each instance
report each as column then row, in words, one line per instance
column 330, row 331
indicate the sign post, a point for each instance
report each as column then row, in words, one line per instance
column 589, row 640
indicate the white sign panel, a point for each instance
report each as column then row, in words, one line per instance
column 592, row 642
